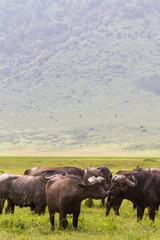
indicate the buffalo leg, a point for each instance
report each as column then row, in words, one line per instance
column 140, row 212
column 134, row 206
column 10, row 207
column 103, row 202
column 75, row 218
column 51, row 214
column 63, row 219
column 40, row 209
column 109, row 205
column 32, row 208
column 152, row 213
column 116, row 205
column 1, row 206
column 64, row 222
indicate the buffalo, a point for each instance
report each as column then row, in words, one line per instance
column 64, row 195
column 22, row 191
column 115, row 203
column 140, row 187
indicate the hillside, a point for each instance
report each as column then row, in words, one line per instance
column 80, row 77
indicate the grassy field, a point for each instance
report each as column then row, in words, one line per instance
column 92, row 221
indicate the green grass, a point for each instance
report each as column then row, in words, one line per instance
column 92, row 221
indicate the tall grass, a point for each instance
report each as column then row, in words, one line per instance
column 92, row 221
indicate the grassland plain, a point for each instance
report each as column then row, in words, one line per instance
column 93, row 224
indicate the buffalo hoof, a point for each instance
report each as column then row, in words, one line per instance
column 52, row 229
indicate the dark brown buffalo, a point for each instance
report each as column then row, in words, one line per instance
column 3, row 188
column 115, row 203
column 141, row 187
column 64, row 195
column 22, row 191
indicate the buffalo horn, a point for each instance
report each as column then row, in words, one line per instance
column 101, row 179
column 110, row 175
column 89, row 181
column 130, row 183
column 118, row 178
column 53, row 176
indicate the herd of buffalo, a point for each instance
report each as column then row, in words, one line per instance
column 63, row 189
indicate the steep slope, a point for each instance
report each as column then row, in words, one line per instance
column 79, row 77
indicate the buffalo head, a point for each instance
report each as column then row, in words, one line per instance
column 120, row 184
column 94, row 187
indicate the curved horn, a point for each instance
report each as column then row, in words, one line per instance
column 1, row 171
column 110, row 175
column 100, row 171
column 47, row 178
column 27, row 172
column 89, row 180
column 130, row 183
column 118, row 178
column 63, row 173
column 92, row 180
column 101, row 179
column 86, row 176
column 53, row 176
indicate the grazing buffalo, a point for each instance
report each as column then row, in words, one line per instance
column 22, row 191
column 64, row 195
column 140, row 187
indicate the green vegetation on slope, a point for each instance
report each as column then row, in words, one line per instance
column 79, row 75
